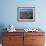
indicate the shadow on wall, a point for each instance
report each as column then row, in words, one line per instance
column 2, row 26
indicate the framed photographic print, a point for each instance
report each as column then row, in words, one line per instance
column 26, row 14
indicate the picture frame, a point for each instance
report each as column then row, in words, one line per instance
column 26, row 14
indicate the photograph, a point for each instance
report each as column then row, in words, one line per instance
column 25, row 13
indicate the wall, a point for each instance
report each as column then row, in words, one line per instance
column 9, row 13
